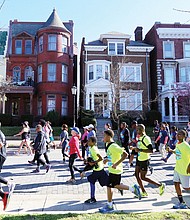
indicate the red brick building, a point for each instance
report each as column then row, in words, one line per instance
column 41, row 61
column 170, row 70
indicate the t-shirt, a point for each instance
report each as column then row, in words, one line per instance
column 93, row 153
column 114, row 154
column 182, row 158
column 142, row 156
column 163, row 134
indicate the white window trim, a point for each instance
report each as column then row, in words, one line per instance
column 174, row 72
column 124, row 95
column 65, row 74
column 116, row 42
column 66, row 108
column 28, row 47
column 173, row 50
column 187, row 42
column 18, row 47
column 50, row 44
column 135, row 65
column 94, row 63
column 48, row 76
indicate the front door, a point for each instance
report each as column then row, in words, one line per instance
column 100, row 104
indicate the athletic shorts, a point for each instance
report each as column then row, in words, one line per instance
column 100, row 176
column 113, row 180
column 144, row 165
column 184, row 180
column 134, row 152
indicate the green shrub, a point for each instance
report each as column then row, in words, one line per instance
column 86, row 121
column 66, row 120
column 53, row 117
column 151, row 116
column 29, row 118
column 5, row 119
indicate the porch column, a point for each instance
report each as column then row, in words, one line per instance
column 31, row 103
column 109, row 102
column 4, row 98
column 170, row 109
column 87, row 100
column 92, row 100
column 163, row 109
column 176, row 109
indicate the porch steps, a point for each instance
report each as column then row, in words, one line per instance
column 100, row 130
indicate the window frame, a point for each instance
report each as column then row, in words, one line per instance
column 51, row 73
column 28, row 48
column 116, row 48
column 64, row 73
column 126, row 77
column 18, row 50
column 128, row 96
column 40, row 73
column 18, row 71
column 40, row 44
column 64, row 108
column 51, row 103
column 52, row 44
column 64, row 46
column 172, row 50
column 186, row 51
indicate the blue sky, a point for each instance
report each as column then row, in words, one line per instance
column 94, row 17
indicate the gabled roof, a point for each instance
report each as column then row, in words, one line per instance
column 54, row 21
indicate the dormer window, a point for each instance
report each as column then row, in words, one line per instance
column 18, row 46
column 168, row 49
column 116, row 48
column 28, row 46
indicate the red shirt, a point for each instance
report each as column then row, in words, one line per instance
column 74, row 146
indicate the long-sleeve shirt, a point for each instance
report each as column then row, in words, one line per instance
column 74, row 146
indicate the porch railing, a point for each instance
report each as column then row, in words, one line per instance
column 176, row 118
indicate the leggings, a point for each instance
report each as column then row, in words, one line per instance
column 71, row 165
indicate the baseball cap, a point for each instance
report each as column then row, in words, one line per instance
column 76, row 129
column 85, row 127
column 90, row 126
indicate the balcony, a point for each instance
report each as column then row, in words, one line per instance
column 175, row 86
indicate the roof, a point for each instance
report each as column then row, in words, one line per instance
column 32, row 27
column 138, row 43
column 96, row 43
column 54, row 21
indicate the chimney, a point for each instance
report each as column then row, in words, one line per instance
column 138, row 34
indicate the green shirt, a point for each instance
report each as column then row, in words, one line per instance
column 94, row 151
column 182, row 152
column 142, row 143
column 114, row 154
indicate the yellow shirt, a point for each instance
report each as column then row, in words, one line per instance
column 114, row 154
column 94, row 151
column 142, row 156
column 182, row 158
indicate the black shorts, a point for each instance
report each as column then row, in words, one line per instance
column 113, row 180
column 144, row 165
column 101, row 176
column 134, row 152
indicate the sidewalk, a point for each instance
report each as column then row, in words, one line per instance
column 49, row 193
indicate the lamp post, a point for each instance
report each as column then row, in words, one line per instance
column 74, row 92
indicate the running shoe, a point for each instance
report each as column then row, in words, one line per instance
column 36, row 170
column 48, row 167
column 5, row 200
column 121, row 191
column 90, row 201
column 162, row 189
column 180, row 206
column 137, row 191
column 106, row 209
column 11, row 187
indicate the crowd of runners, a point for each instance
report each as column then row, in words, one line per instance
column 133, row 146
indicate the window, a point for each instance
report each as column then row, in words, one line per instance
column 64, row 73
column 116, row 48
column 52, row 42
column 64, row 105
column 16, row 74
column 40, row 106
column 184, row 74
column 40, row 73
column 186, row 50
column 130, row 74
column 131, row 100
column 41, row 44
column 28, row 47
column 91, row 72
column 18, row 46
column 51, row 72
column 64, row 44
column 168, row 48
column 98, row 71
column 51, row 103
column 106, row 72
column 29, row 75
column 169, row 77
